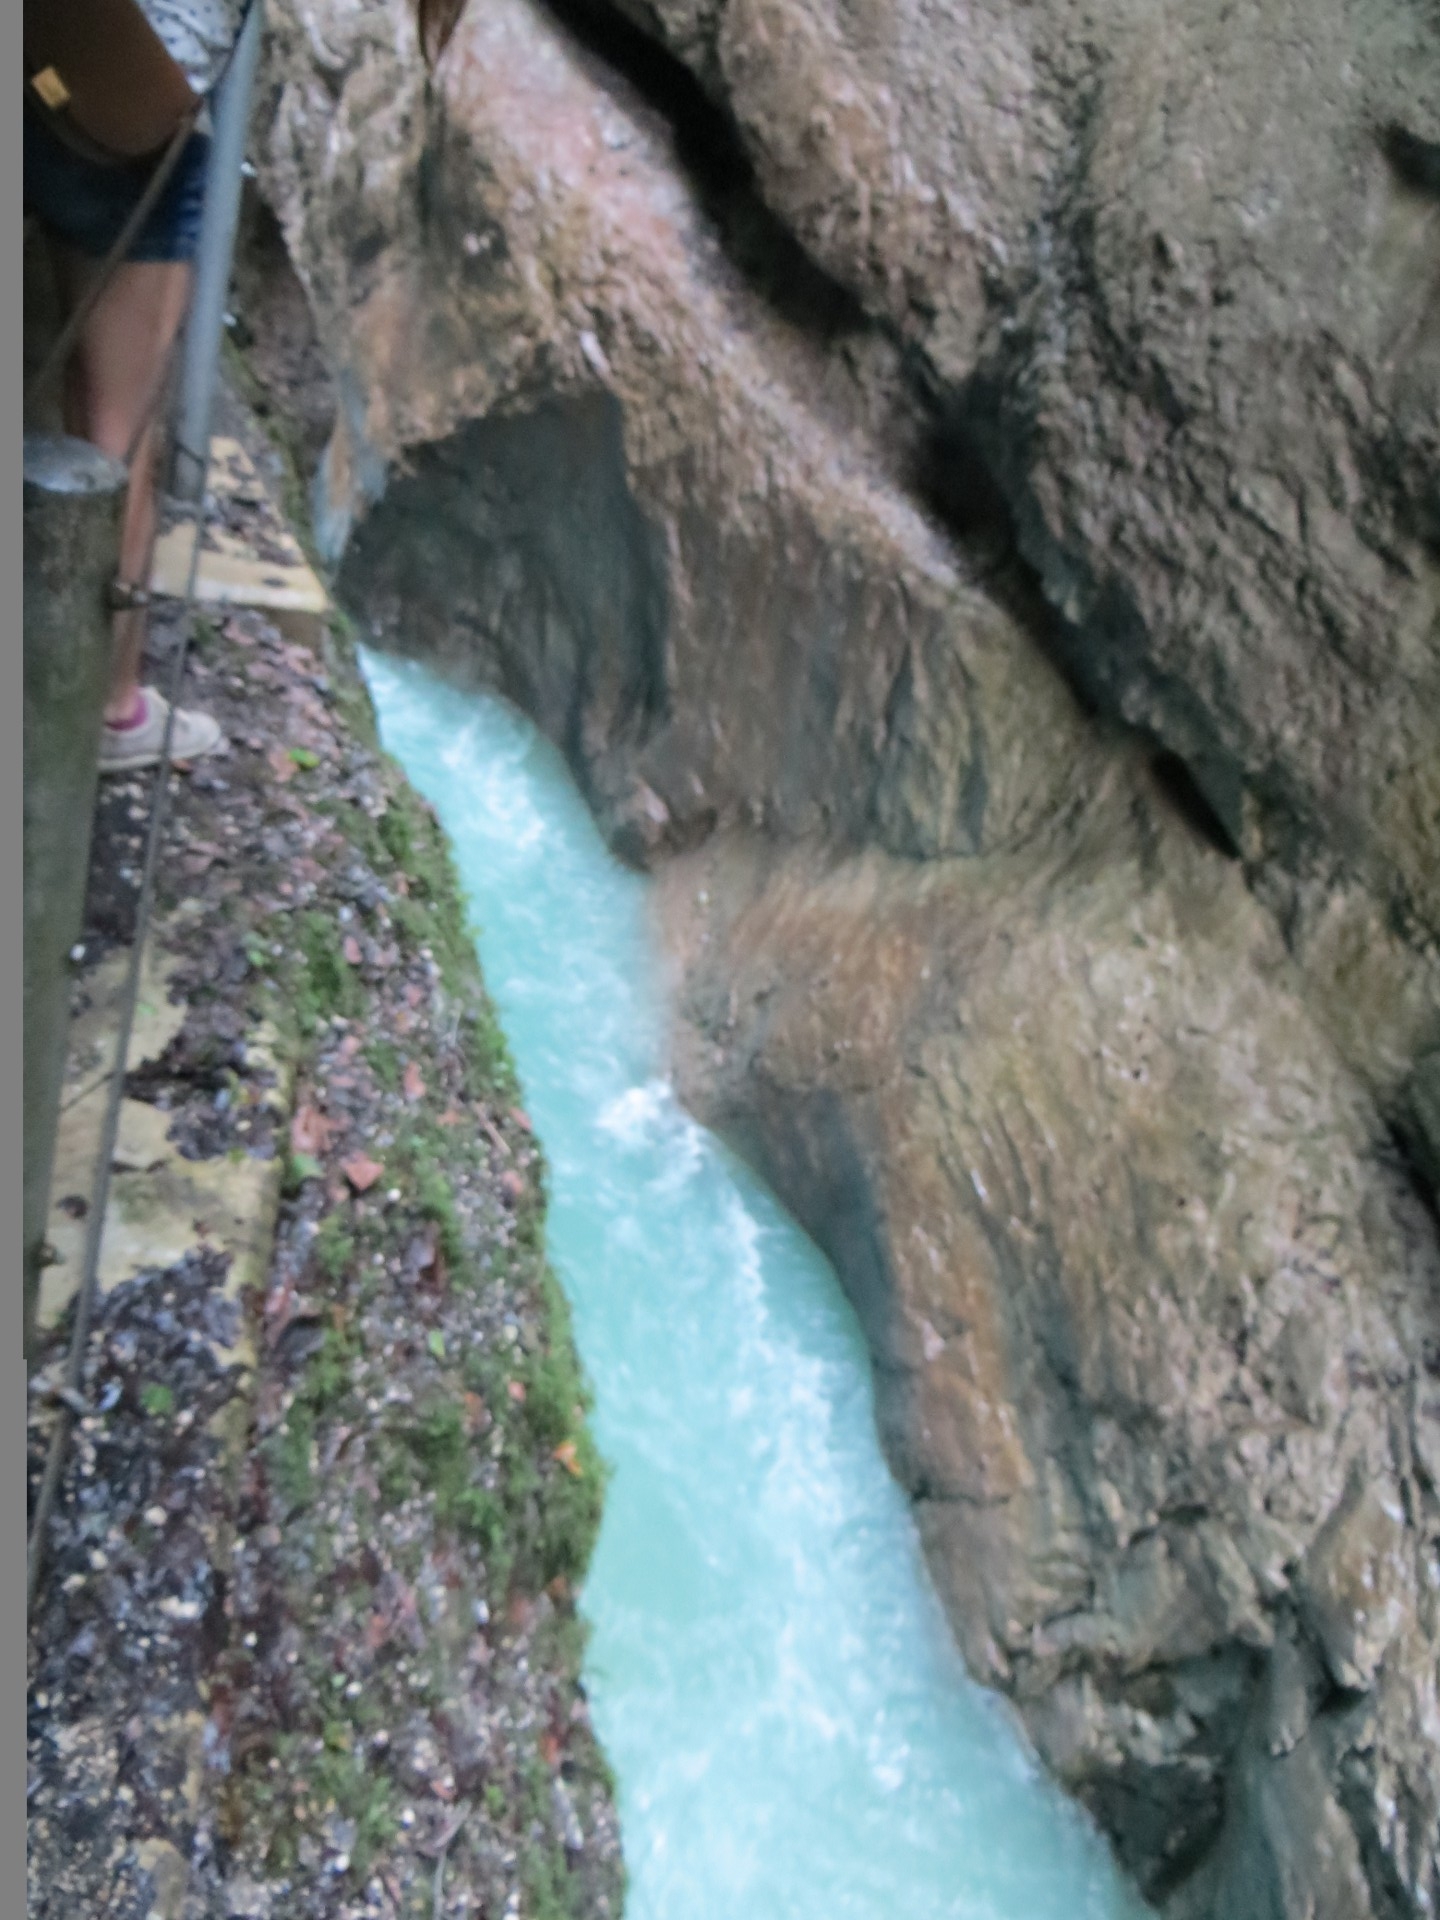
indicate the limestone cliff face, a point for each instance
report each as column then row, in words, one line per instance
column 1085, row 1067
column 1174, row 273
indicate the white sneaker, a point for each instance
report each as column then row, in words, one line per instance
column 128, row 749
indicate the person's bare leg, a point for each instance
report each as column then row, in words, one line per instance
column 114, row 385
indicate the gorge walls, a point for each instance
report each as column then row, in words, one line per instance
column 960, row 484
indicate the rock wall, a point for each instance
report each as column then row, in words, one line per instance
column 1145, row 1306
column 1174, row 273
column 929, row 474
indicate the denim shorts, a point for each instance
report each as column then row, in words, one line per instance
column 86, row 204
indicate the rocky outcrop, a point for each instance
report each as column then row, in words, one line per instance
column 1094, row 1117
column 1146, row 1310
column 1173, row 275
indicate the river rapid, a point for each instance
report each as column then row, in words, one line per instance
column 793, row 1733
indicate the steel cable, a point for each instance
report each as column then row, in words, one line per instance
column 69, row 1395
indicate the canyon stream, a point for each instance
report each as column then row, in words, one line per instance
column 793, row 1733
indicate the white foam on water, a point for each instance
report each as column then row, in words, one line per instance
column 793, row 1733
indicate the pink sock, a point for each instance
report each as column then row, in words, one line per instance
column 136, row 717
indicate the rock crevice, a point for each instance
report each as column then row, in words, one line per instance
column 974, row 544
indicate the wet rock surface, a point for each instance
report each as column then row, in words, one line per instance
column 1169, row 279
column 307, row 1642
column 1016, row 654
column 1156, row 1325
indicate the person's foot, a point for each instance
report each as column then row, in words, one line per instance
column 136, row 743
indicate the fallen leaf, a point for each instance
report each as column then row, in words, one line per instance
column 452, row 1117
column 279, row 1310
column 550, row 1750
column 352, row 950
column 303, row 757
column 452, row 1824
column 513, row 1187
column 310, row 1130
column 435, row 1341
column 361, row 1171
column 516, row 1391
column 413, row 1082
column 476, row 1414
column 280, row 764
column 569, row 1459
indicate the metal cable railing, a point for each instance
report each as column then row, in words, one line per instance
column 70, row 1402
column 219, row 205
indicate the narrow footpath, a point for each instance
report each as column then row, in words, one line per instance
column 307, row 1643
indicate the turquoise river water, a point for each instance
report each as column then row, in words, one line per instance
column 793, row 1733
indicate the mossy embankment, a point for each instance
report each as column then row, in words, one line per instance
column 424, row 1489
column 343, row 1675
